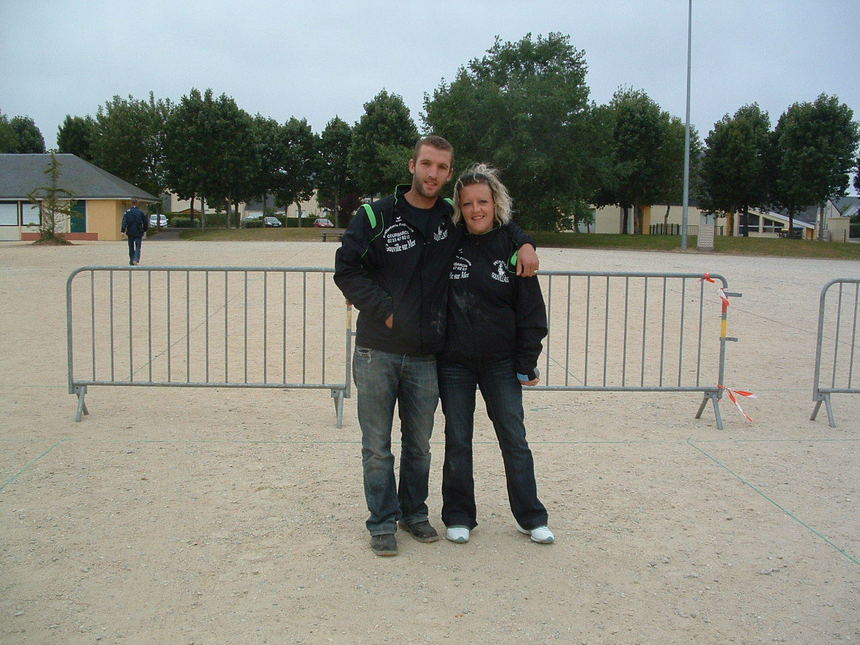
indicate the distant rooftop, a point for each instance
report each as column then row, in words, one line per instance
column 21, row 173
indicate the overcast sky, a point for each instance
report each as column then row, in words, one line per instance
column 317, row 59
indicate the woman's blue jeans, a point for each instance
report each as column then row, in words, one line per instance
column 503, row 395
column 383, row 379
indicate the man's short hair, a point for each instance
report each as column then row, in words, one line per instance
column 440, row 143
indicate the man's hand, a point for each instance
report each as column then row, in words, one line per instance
column 527, row 261
column 389, row 322
column 534, row 381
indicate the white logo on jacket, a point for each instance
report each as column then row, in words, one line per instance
column 501, row 272
column 460, row 268
column 440, row 234
column 399, row 237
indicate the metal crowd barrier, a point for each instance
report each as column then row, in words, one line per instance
column 636, row 332
column 278, row 328
column 207, row 327
column 834, row 355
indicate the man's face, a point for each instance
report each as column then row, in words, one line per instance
column 431, row 170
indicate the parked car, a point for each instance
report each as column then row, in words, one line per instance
column 271, row 222
column 323, row 222
column 158, row 220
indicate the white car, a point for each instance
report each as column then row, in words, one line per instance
column 157, row 220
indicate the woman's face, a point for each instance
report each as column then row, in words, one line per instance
column 478, row 208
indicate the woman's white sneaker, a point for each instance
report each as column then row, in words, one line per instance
column 458, row 534
column 541, row 535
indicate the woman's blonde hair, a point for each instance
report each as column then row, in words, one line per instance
column 481, row 173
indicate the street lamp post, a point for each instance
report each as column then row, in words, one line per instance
column 686, row 208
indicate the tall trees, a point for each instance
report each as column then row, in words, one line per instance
column 20, row 135
column 270, row 153
column 815, row 146
column 857, row 176
column 76, row 135
column 647, row 155
column 524, row 108
column 382, row 143
column 185, row 147
column 735, row 164
column 129, row 140
column 210, row 150
column 334, row 180
column 29, row 137
column 300, row 163
column 8, row 138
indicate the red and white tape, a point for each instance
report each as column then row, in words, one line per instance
column 722, row 292
column 733, row 397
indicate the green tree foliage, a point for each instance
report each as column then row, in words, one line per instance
column 8, row 138
column 382, row 144
column 185, row 146
column 75, row 136
column 735, row 174
column 334, row 183
column 647, row 155
column 815, row 146
column 211, row 151
column 20, row 135
column 270, row 150
column 300, row 163
column 524, row 108
column 857, row 176
column 30, row 139
column 55, row 204
column 129, row 140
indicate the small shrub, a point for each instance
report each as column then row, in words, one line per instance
column 184, row 222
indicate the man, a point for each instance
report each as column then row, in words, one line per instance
column 134, row 225
column 393, row 265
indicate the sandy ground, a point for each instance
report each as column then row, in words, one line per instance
column 174, row 515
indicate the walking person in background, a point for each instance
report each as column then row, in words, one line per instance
column 393, row 266
column 496, row 322
column 134, row 225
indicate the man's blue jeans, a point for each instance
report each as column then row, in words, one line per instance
column 503, row 395
column 134, row 248
column 383, row 379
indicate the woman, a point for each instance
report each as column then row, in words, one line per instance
column 496, row 322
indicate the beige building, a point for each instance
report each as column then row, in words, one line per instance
column 100, row 198
column 667, row 219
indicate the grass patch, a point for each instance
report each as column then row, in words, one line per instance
column 723, row 245
column 307, row 234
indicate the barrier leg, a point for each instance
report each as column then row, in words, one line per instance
column 337, row 395
column 825, row 399
column 81, row 392
column 713, row 397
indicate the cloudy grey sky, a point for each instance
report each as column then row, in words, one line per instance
column 321, row 58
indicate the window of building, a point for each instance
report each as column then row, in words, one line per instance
column 8, row 213
column 31, row 214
